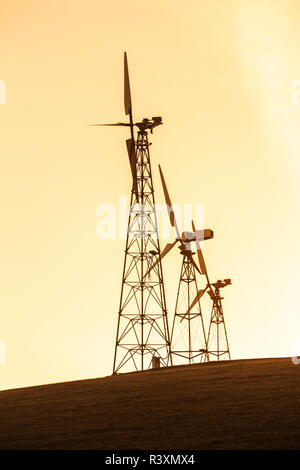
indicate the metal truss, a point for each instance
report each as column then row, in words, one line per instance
column 142, row 331
column 217, row 340
column 188, row 337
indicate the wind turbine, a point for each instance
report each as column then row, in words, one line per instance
column 142, row 339
column 188, row 338
column 217, row 339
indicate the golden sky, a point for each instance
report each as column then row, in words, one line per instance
column 221, row 74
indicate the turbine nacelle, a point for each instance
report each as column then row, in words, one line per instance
column 149, row 124
column 199, row 235
column 219, row 284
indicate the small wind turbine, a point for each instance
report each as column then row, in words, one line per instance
column 217, row 339
column 193, row 344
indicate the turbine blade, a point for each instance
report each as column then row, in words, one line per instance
column 205, row 234
column 198, row 297
column 199, row 253
column 131, row 154
column 165, row 251
column 115, row 124
column 167, row 248
column 190, row 256
column 127, row 95
column 168, row 202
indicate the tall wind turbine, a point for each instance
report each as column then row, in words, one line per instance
column 142, row 338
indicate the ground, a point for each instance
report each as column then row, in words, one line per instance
column 243, row 404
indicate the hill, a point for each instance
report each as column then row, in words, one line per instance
column 243, row 404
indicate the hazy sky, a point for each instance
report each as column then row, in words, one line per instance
column 221, row 74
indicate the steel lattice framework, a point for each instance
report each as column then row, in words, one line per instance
column 142, row 331
column 217, row 340
column 143, row 338
column 188, row 333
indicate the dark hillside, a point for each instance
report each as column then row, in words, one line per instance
column 249, row 404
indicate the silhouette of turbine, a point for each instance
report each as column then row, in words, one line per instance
column 142, row 338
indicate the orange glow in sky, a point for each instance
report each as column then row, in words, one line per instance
column 224, row 77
